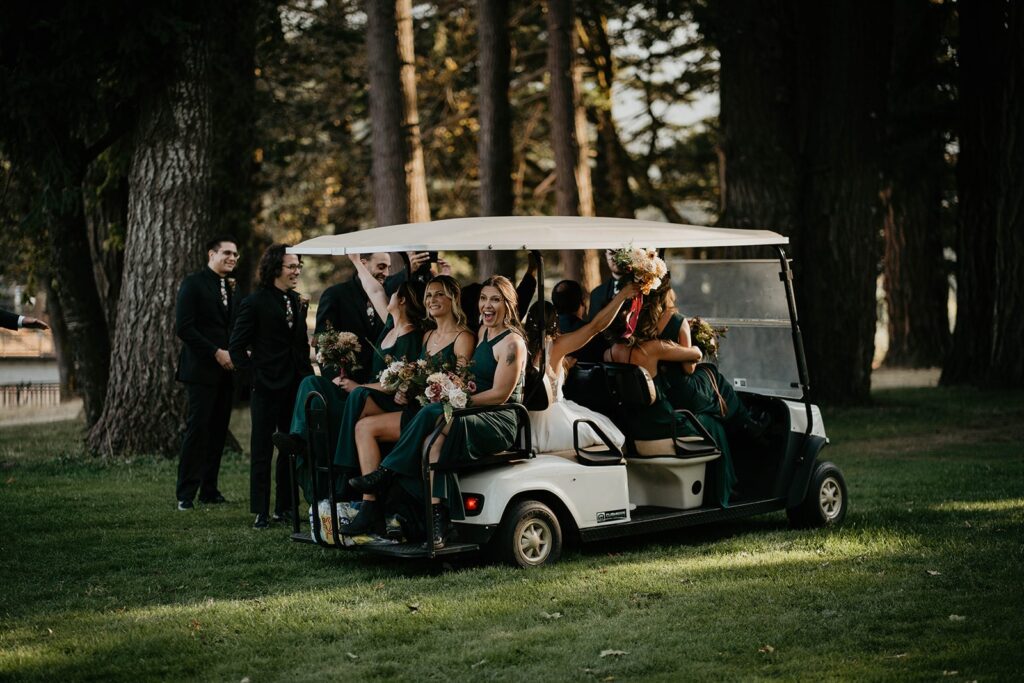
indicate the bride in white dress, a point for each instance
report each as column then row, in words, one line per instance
column 552, row 428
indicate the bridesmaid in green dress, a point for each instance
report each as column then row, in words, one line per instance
column 499, row 364
column 382, row 418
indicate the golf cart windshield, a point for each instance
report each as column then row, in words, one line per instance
column 746, row 297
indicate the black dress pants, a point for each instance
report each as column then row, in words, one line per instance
column 206, row 429
column 271, row 412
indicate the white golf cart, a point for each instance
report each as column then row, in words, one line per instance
column 521, row 504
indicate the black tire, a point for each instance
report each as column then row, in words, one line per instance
column 826, row 501
column 529, row 536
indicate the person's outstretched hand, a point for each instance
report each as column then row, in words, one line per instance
column 34, row 324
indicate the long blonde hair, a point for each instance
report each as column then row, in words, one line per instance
column 510, row 299
column 453, row 290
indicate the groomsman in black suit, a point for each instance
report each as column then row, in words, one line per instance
column 203, row 322
column 13, row 321
column 602, row 295
column 270, row 337
column 348, row 309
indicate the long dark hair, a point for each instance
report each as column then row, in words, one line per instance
column 412, row 293
column 271, row 263
column 541, row 322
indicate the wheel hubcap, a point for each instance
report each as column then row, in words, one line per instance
column 830, row 498
column 535, row 541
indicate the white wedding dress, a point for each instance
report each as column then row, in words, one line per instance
column 552, row 428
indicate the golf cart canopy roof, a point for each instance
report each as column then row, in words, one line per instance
column 534, row 233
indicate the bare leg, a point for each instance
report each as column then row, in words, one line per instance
column 370, row 408
column 370, row 431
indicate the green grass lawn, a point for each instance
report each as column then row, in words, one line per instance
column 101, row 579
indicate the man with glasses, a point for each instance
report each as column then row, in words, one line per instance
column 270, row 338
column 203, row 322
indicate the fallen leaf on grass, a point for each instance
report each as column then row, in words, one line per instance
column 613, row 653
column 414, row 607
column 957, row 617
column 480, row 663
column 245, row 680
column 10, row 480
column 352, row 656
column 954, row 672
column 934, row 572
column 767, row 649
column 554, row 615
column 900, row 655
column 50, row 631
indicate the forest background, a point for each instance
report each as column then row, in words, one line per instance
column 883, row 138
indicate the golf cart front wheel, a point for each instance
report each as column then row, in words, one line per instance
column 529, row 535
column 826, row 501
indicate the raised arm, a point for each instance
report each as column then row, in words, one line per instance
column 684, row 340
column 577, row 339
column 670, row 351
column 374, row 290
column 510, row 355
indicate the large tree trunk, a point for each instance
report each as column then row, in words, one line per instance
column 590, row 265
column 106, row 219
column 494, row 144
column 169, row 212
column 847, row 60
column 760, row 171
column 415, row 171
column 982, row 68
column 1008, row 325
column 59, row 330
column 390, row 197
column 73, row 281
column 561, row 101
column 916, row 284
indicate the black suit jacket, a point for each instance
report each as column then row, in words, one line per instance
column 280, row 356
column 599, row 298
column 9, row 320
column 347, row 308
column 204, row 325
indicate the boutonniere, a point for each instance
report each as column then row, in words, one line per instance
column 230, row 282
column 303, row 300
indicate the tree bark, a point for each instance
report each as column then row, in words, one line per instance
column 59, row 330
column 390, row 195
column 1007, row 367
column 88, row 337
column 916, row 283
column 415, row 171
column 846, row 63
column 561, row 101
column 982, row 60
column 106, row 220
column 494, row 143
column 169, row 213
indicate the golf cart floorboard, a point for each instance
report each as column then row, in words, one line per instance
column 649, row 519
column 414, row 550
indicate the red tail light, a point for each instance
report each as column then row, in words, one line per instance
column 472, row 503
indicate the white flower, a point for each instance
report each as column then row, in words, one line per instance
column 457, row 397
column 436, row 378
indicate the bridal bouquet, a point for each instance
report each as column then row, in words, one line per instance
column 399, row 375
column 646, row 267
column 337, row 349
column 705, row 337
column 449, row 388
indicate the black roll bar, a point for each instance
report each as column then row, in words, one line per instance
column 786, row 276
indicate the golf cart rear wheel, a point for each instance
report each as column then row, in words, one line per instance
column 826, row 501
column 529, row 535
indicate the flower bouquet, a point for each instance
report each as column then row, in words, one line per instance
column 398, row 375
column 337, row 349
column 647, row 270
column 705, row 337
column 449, row 388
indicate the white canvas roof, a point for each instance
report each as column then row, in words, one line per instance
column 534, row 232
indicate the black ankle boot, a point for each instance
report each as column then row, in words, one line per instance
column 369, row 520
column 289, row 444
column 441, row 526
column 374, row 482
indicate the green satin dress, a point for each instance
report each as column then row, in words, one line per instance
column 407, row 347
column 469, row 438
column 696, row 393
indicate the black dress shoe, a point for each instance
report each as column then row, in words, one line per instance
column 289, row 444
column 442, row 526
column 284, row 516
column 369, row 520
column 261, row 521
column 374, row 482
column 185, row 505
column 215, row 499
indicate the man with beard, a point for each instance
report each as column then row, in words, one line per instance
column 203, row 322
column 347, row 308
column 270, row 337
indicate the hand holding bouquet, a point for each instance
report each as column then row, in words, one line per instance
column 705, row 337
column 337, row 349
column 449, row 388
column 398, row 376
column 644, row 265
